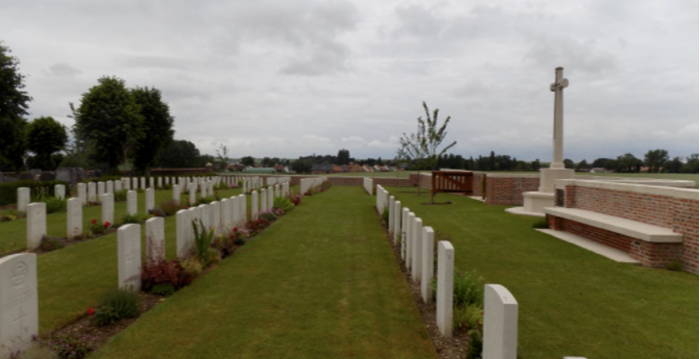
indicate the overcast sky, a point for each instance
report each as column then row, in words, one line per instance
column 284, row 78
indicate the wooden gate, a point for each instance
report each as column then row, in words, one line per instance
column 453, row 182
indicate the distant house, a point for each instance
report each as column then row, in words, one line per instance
column 260, row 170
column 281, row 168
column 353, row 168
column 367, row 168
column 321, row 169
column 338, row 169
column 599, row 170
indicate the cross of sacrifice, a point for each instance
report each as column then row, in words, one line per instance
column 558, row 87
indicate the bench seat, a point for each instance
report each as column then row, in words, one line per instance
column 643, row 231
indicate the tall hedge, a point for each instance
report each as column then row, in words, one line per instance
column 8, row 191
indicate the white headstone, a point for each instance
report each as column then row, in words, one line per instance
column 397, row 221
column 417, row 250
column 19, row 304
column 74, row 218
column 225, row 214
column 100, row 191
column 109, row 187
column 36, row 224
column 243, row 213
column 254, row 206
column 500, row 323
column 193, row 194
column 203, row 190
column 184, row 226
column 391, row 215
column 135, row 183
column 82, row 193
column 150, row 199
column 263, row 200
column 143, row 182
column 176, row 193
column 215, row 216
column 155, row 239
column 131, row 202
column 108, row 208
column 204, row 216
column 59, row 191
column 92, row 192
column 118, row 186
column 160, row 182
column 404, row 231
column 270, row 198
column 445, row 288
column 127, row 183
column 428, row 265
column 408, row 246
column 23, row 195
column 129, row 256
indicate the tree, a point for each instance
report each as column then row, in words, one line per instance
column 655, row 159
column 302, row 165
column 568, row 163
column 180, row 154
column 222, row 156
column 109, row 118
column 45, row 136
column 422, row 147
column 691, row 164
column 267, row 162
column 14, row 103
column 582, row 166
column 157, row 124
column 248, row 161
column 628, row 163
column 673, row 165
column 343, row 157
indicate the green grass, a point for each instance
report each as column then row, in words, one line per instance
column 393, row 174
column 322, row 282
column 571, row 302
column 72, row 279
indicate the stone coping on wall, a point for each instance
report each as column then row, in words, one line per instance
column 628, row 227
column 657, row 188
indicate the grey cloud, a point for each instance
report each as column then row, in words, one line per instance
column 63, row 70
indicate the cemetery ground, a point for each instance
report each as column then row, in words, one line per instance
column 571, row 301
column 322, row 282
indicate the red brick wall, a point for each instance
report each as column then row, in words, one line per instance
column 425, row 180
column 680, row 215
column 655, row 255
column 477, row 184
column 508, row 190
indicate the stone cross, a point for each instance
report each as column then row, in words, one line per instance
column 558, row 87
column 19, row 305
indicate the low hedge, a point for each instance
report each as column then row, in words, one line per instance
column 8, row 191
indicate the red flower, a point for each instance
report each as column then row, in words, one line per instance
column 107, row 224
column 93, row 221
column 235, row 229
column 91, row 311
column 231, row 236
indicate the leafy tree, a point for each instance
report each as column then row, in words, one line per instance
column 673, row 165
column 302, row 165
column 110, row 119
column 655, row 159
column 157, row 125
column 600, row 162
column 691, row 164
column 628, row 163
column 45, row 136
column 222, row 156
column 343, row 157
column 14, row 103
column 248, row 161
column 180, row 154
column 536, row 165
column 582, row 166
column 568, row 163
column 422, row 147
column 267, row 162
column 204, row 159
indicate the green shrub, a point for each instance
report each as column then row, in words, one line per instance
column 467, row 289
column 675, row 266
column 476, row 344
column 284, row 204
column 206, row 200
column 469, row 316
column 541, row 224
column 11, row 215
column 134, row 218
column 50, row 243
column 120, row 196
column 170, row 207
column 202, row 243
column 8, row 191
column 68, row 346
column 54, row 204
column 385, row 216
column 163, row 289
column 115, row 305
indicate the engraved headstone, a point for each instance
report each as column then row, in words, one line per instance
column 23, row 195
column 100, row 191
column 19, row 304
column 74, row 218
column 184, row 226
column 108, row 208
column 254, row 206
column 150, row 199
column 59, row 191
column 445, row 287
column 131, row 202
column 36, row 224
column 417, row 250
column 92, row 192
column 129, row 256
column 155, row 239
column 82, row 193
column 428, row 266
column 500, row 323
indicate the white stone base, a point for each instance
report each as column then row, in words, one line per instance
column 549, row 176
column 522, row 212
column 535, row 202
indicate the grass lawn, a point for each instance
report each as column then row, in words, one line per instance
column 393, row 174
column 72, row 279
column 322, row 282
column 571, row 302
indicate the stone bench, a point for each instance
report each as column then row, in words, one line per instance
column 652, row 246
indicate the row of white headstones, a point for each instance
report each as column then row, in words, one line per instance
column 500, row 339
column 19, row 309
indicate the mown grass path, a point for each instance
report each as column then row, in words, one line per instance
column 322, row 282
column 572, row 302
